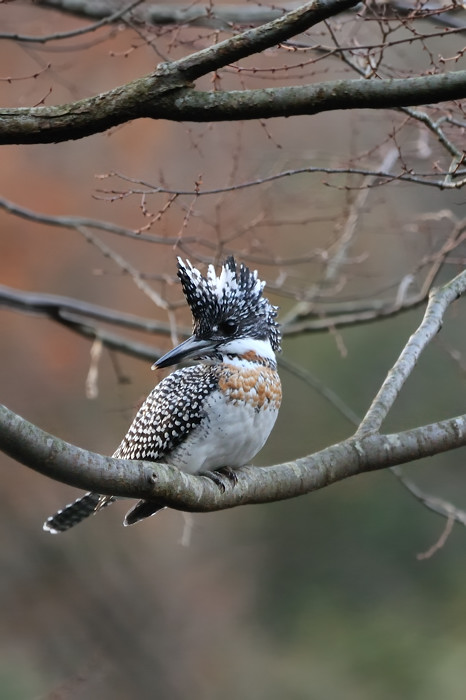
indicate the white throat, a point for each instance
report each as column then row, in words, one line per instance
column 241, row 346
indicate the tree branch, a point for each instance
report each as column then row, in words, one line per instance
column 145, row 96
column 64, row 462
column 365, row 451
column 224, row 16
column 265, row 36
column 439, row 301
column 78, row 222
column 168, row 93
column 75, row 315
column 306, row 317
column 58, row 308
column 190, row 105
column 164, row 95
column 107, row 19
column 208, row 15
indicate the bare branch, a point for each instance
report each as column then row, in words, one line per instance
column 168, row 93
column 64, row 462
column 305, row 317
column 227, row 15
column 207, row 15
column 263, row 37
column 56, row 308
column 437, row 505
column 74, row 315
column 346, row 238
column 161, row 96
column 433, row 503
column 124, row 265
column 366, row 451
column 145, row 96
column 79, row 222
column 439, row 301
column 113, row 16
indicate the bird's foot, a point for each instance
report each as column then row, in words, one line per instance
column 221, row 477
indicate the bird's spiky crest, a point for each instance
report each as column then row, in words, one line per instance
column 237, row 292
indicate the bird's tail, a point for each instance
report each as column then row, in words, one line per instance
column 73, row 513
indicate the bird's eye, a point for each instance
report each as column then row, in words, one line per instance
column 228, row 327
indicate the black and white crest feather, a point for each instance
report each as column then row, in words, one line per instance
column 236, row 293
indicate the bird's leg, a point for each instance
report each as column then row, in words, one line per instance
column 222, row 476
column 229, row 473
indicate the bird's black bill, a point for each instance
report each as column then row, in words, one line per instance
column 191, row 348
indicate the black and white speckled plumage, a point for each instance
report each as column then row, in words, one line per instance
column 170, row 412
column 216, row 413
column 236, row 292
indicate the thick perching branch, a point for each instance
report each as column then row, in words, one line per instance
column 361, row 453
column 90, row 471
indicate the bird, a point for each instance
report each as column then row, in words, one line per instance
column 216, row 414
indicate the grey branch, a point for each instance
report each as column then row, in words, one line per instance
column 77, row 223
column 168, row 93
column 207, row 15
column 67, row 309
column 160, row 96
column 439, row 301
column 79, row 316
column 109, row 18
column 224, row 16
column 64, row 462
column 145, row 96
column 365, row 451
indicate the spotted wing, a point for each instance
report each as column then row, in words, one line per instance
column 170, row 412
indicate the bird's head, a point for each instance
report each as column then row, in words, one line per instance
column 231, row 317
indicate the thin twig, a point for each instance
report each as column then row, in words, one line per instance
column 124, row 265
column 59, row 36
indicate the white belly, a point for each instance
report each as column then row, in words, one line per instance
column 230, row 435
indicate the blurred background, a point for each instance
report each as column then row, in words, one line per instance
column 327, row 596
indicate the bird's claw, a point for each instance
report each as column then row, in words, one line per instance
column 222, row 476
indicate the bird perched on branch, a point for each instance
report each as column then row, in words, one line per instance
column 215, row 414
